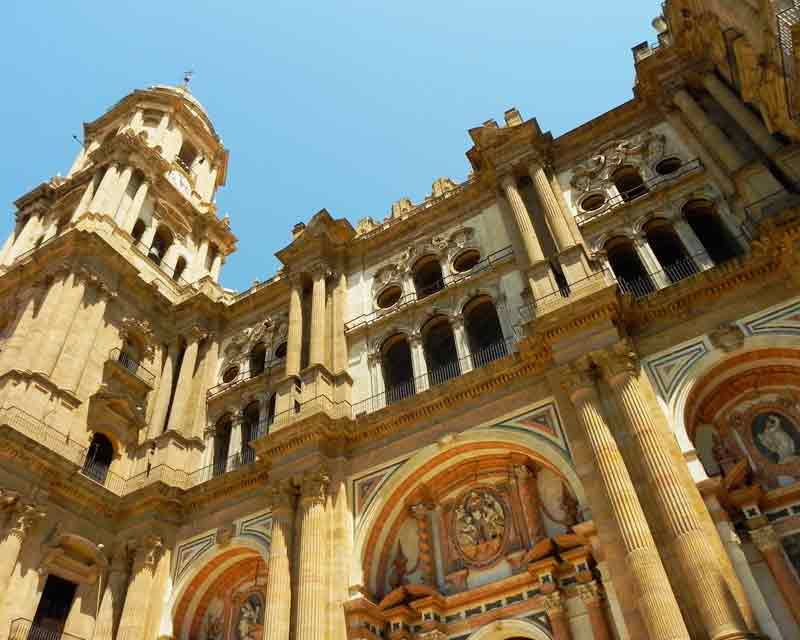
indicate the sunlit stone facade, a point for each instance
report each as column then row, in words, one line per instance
column 560, row 400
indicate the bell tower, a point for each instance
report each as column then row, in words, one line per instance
column 149, row 168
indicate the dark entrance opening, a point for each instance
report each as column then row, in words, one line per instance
column 54, row 605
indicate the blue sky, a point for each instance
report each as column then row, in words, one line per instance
column 338, row 104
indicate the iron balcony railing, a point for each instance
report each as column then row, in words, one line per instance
column 22, row 629
column 641, row 191
column 436, row 376
column 593, row 282
column 239, row 460
column 276, row 364
column 452, row 280
column 128, row 362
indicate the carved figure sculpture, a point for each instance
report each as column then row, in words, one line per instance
column 479, row 526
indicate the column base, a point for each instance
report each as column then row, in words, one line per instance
column 575, row 264
column 541, row 280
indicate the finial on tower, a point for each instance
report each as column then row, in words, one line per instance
column 187, row 78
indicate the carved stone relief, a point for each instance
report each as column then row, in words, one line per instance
column 479, row 529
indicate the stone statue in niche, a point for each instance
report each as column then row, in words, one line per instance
column 776, row 438
column 479, row 526
column 250, row 620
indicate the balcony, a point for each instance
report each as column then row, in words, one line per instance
column 567, row 294
column 129, row 364
column 640, row 192
column 453, row 280
column 22, row 629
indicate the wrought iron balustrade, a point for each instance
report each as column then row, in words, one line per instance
column 129, row 363
column 22, row 629
column 640, row 191
column 451, row 280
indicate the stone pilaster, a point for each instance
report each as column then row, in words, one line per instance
column 111, row 601
column 341, row 550
column 57, row 318
column 133, row 622
column 339, row 338
column 294, row 345
column 553, row 214
column 23, row 517
column 14, row 354
column 592, row 596
column 712, row 135
column 132, row 215
column 164, row 391
column 312, row 575
column 768, row 543
column 718, row 609
column 183, row 389
column 318, row 294
column 656, row 601
column 101, row 199
column 277, row 617
column 426, row 567
column 556, row 609
column 529, row 499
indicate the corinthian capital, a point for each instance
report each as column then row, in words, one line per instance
column 314, row 487
column 553, row 603
column 591, row 593
column 24, row 518
column 765, row 538
column 618, row 363
column 281, row 496
column 578, row 380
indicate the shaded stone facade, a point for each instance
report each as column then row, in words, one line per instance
column 558, row 400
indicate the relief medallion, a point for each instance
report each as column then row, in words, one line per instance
column 480, row 526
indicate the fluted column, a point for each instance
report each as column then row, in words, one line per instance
column 339, row 338
column 183, row 390
column 164, row 391
column 718, row 610
column 317, row 342
column 133, row 622
column 656, row 601
column 21, row 521
column 115, row 198
column 277, row 616
column 111, row 601
column 768, row 543
column 713, row 136
column 553, row 214
column 539, row 279
column 592, row 595
column 341, row 549
column 102, row 194
column 86, row 198
column 555, row 607
column 294, row 344
column 75, row 355
column 135, row 209
column 746, row 119
column 312, row 578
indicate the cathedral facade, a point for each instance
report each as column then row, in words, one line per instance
column 559, row 400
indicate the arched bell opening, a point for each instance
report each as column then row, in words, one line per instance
column 669, row 250
column 258, row 359
column 629, row 183
column 441, row 355
column 627, row 267
column 162, row 241
column 180, row 268
column 99, row 457
column 398, row 370
column 222, row 443
column 704, row 220
column 484, row 333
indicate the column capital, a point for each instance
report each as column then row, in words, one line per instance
column 146, row 550
column 618, row 363
column 196, row 333
column 508, row 181
column 24, row 518
column 314, row 487
column 295, row 279
column 765, row 539
column 591, row 593
column 578, row 380
column 281, row 496
column 320, row 270
column 554, row 603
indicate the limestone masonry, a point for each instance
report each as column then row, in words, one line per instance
column 560, row 400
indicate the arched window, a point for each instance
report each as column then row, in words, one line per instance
column 627, row 267
column 138, row 230
column 398, row 372
column 258, row 358
column 669, row 250
column 441, row 355
column 280, row 351
column 222, row 442
column 707, row 226
column 486, row 342
column 180, row 267
column 629, row 182
column 162, row 241
column 98, row 458
column 187, row 155
column 251, row 416
column 428, row 276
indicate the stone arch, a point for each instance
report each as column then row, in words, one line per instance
column 218, row 569
column 385, row 510
column 599, row 242
column 511, row 630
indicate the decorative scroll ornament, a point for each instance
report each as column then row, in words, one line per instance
column 480, row 526
column 141, row 330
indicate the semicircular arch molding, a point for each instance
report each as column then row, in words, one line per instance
column 511, row 630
